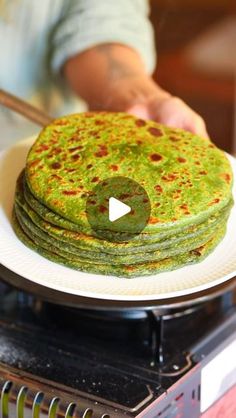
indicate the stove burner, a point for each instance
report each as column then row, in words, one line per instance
column 118, row 363
column 144, row 329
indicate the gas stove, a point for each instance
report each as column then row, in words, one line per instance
column 57, row 361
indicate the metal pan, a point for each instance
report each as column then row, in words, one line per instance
column 62, row 298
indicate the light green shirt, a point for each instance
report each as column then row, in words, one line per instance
column 37, row 37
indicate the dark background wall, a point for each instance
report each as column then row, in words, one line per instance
column 208, row 89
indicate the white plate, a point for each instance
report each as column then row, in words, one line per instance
column 215, row 269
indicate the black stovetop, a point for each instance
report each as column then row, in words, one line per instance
column 120, row 357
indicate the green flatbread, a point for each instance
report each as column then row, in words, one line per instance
column 55, row 219
column 72, row 253
column 187, row 178
column 188, row 181
column 144, row 269
column 76, row 241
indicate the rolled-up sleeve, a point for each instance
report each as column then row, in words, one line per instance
column 87, row 23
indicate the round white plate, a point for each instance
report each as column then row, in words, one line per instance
column 215, row 269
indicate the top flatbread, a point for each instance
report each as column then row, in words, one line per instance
column 186, row 177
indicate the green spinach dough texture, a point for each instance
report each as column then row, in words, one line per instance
column 187, row 178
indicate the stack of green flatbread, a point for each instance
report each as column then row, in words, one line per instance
column 187, row 178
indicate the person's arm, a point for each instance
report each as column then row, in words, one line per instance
column 105, row 49
column 113, row 77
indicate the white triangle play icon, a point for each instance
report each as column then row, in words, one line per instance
column 117, row 209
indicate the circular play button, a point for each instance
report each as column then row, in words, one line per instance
column 118, row 209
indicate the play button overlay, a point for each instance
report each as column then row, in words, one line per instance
column 118, row 209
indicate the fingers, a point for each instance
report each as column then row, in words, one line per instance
column 139, row 110
column 176, row 113
column 195, row 124
column 199, row 127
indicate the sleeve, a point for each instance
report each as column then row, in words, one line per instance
column 87, row 23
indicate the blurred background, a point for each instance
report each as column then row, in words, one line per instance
column 196, row 47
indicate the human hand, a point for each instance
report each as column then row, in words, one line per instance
column 113, row 77
column 172, row 111
column 143, row 98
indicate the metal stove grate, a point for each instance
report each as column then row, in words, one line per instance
column 21, row 401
